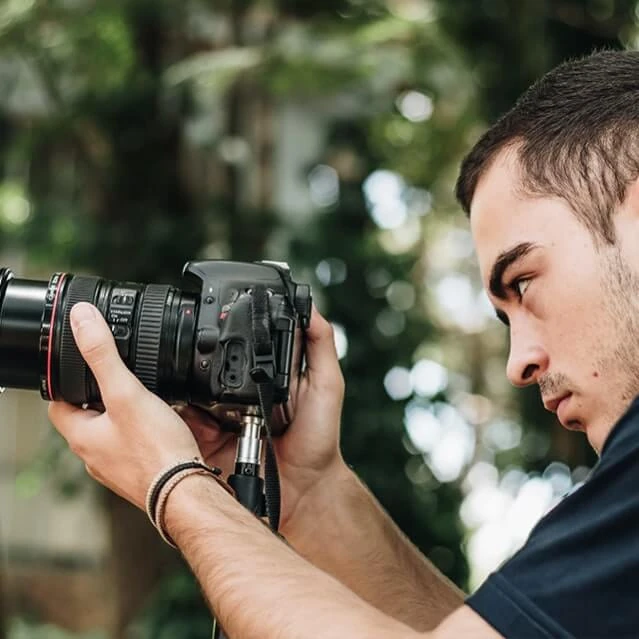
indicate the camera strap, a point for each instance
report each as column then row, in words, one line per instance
column 263, row 376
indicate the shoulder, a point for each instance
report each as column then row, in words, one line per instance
column 464, row 622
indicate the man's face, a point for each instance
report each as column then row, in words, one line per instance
column 572, row 304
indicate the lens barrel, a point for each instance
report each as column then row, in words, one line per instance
column 153, row 327
column 21, row 306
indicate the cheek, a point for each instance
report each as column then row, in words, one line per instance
column 597, row 355
column 572, row 309
column 571, row 333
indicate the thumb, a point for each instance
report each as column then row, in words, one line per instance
column 96, row 345
column 321, row 355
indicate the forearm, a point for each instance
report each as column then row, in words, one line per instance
column 342, row 529
column 257, row 586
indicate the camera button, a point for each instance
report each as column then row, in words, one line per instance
column 120, row 332
column 206, row 340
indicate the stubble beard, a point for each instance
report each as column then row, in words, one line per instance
column 620, row 361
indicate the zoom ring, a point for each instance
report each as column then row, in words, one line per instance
column 73, row 370
column 147, row 351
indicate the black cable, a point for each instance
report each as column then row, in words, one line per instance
column 263, row 375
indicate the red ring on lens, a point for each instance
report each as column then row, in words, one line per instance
column 54, row 309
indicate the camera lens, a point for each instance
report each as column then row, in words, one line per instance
column 153, row 326
column 21, row 305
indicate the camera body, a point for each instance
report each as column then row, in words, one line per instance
column 224, row 354
column 190, row 345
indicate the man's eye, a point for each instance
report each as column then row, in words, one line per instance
column 521, row 286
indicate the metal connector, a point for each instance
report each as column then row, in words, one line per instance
column 249, row 446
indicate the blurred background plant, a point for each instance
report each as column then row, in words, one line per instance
column 138, row 134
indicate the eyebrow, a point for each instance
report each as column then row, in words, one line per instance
column 504, row 261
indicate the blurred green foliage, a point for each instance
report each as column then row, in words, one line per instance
column 22, row 629
column 102, row 172
column 178, row 610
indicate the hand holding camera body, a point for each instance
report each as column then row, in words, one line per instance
column 191, row 345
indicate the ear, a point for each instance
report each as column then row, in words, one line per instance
column 626, row 220
column 629, row 208
column 632, row 198
column 632, row 191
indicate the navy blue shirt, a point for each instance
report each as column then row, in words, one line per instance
column 578, row 573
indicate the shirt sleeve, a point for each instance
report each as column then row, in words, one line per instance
column 512, row 613
column 578, row 573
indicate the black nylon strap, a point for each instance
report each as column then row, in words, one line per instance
column 263, row 375
column 271, row 473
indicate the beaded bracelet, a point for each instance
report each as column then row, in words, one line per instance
column 165, row 482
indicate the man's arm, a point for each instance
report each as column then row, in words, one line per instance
column 258, row 586
column 341, row 528
column 327, row 514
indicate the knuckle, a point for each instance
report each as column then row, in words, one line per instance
column 327, row 330
column 96, row 353
column 92, row 473
column 123, row 397
column 320, row 327
column 338, row 386
column 77, row 448
column 331, row 384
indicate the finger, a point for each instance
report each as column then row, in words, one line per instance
column 73, row 423
column 97, row 347
column 195, row 415
column 321, row 354
column 90, row 472
column 205, row 429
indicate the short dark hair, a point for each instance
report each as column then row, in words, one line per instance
column 575, row 133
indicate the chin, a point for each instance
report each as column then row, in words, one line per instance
column 597, row 436
column 595, row 444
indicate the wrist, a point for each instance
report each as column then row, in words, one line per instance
column 186, row 500
column 320, row 504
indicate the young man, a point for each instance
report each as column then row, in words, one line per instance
column 552, row 191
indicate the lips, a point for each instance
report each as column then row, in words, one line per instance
column 562, row 409
column 553, row 403
column 560, row 405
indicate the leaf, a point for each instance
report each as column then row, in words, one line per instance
column 217, row 69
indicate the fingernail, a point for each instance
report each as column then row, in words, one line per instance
column 82, row 312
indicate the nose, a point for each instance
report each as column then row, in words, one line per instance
column 527, row 360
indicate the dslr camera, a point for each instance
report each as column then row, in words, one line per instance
column 232, row 326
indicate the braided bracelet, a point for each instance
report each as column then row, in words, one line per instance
column 166, row 480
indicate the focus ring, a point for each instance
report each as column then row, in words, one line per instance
column 147, row 350
column 72, row 369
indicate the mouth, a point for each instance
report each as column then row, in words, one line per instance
column 560, row 406
column 553, row 403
